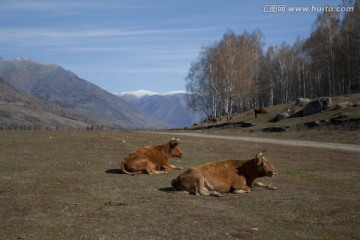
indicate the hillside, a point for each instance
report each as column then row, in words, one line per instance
column 331, row 125
column 170, row 108
column 56, row 85
column 22, row 111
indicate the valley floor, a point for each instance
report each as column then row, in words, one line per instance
column 67, row 185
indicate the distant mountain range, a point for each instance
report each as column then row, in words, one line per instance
column 51, row 84
column 170, row 107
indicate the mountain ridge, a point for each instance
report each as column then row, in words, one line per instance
column 19, row 110
column 56, row 85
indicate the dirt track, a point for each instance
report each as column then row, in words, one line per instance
column 298, row 143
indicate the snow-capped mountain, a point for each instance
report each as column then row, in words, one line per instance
column 133, row 95
column 136, row 94
column 169, row 107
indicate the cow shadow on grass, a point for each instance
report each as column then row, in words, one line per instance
column 114, row 171
column 167, row 189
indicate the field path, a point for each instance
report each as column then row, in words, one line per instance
column 297, row 143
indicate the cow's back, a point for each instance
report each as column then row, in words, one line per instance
column 217, row 168
column 151, row 154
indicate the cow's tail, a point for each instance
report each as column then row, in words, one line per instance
column 174, row 184
column 122, row 166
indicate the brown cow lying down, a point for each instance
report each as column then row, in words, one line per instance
column 215, row 178
column 151, row 159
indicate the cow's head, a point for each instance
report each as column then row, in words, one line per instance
column 264, row 167
column 174, row 149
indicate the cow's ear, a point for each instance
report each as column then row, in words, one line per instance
column 173, row 143
column 261, row 155
column 258, row 161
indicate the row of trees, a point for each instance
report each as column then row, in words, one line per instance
column 236, row 74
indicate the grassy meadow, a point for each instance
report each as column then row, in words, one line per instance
column 67, row 185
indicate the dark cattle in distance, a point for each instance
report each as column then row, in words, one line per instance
column 259, row 111
column 213, row 120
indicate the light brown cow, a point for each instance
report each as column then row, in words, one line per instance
column 152, row 159
column 235, row 176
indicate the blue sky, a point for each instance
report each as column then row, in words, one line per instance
column 126, row 45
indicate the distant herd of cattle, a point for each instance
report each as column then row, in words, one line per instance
column 214, row 120
column 213, row 179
